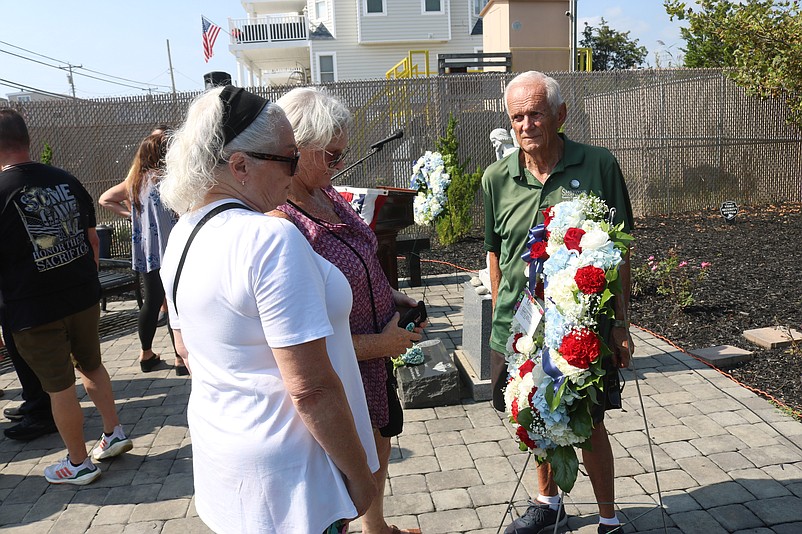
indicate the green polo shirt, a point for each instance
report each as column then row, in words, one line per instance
column 514, row 199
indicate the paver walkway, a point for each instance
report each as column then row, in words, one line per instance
column 727, row 460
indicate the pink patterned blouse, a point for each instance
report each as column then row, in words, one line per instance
column 366, row 286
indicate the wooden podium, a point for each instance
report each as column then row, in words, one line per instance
column 395, row 215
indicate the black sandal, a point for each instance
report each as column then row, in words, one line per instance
column 150, row 364
column 181, row 370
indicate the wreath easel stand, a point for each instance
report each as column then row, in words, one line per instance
column 660, row 506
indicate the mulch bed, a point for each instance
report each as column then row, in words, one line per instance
column 753, row 282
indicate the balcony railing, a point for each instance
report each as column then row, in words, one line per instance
column 268, row 29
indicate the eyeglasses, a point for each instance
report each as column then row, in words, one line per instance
column 336, row 159
column 292, row 160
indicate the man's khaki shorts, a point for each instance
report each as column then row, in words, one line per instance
column 54, row 350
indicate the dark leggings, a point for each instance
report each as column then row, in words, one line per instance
column 149, row 312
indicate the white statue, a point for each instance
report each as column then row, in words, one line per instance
column 503, row 142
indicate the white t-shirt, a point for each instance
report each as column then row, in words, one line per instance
column 251, row 282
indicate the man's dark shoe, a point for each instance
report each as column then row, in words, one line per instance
column 538, row 519
column 30, row 428
column 15, row 414
column 610, row 529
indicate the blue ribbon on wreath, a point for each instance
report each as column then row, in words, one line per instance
column 552, row 370
column 537, row 234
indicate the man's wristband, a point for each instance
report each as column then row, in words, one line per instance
column 618, row 323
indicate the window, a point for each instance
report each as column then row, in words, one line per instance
column 320, row 9
column 23, row 98
column 478, row 6
column 326, row 67
column 375, row 7
column 432, row 6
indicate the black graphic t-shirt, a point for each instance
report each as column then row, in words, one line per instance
column 47, row 266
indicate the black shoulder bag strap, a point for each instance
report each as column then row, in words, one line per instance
column 219, row 209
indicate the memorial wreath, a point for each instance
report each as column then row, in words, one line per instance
column 555, row 350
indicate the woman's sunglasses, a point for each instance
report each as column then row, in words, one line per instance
column 292, row 160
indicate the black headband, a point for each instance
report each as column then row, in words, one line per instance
column 240, row 108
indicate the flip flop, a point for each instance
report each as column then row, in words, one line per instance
column 181, row 370
column 150, row 364
column 396, row 530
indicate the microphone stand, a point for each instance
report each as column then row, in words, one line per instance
column 357, row 162
column 375, row 148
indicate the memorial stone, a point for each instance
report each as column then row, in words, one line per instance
column 435, row 382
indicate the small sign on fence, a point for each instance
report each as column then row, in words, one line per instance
column 728, row 210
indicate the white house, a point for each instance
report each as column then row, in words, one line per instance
column 320, row 41
column 33, row 96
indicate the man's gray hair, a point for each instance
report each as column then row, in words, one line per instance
column 532, row 77
column 316, row 116
column 196, row 149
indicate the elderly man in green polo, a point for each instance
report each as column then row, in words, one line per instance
column 549, row 168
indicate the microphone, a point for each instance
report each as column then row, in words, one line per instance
column 378, row 145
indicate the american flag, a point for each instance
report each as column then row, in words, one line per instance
column 210, row 31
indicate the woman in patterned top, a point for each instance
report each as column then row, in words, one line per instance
column 321, row 124
column 138, row 198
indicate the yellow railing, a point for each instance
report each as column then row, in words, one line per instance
column 409, row 68
column 584, row 59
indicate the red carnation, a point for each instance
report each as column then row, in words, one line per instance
column 572, row 238
column 546, row 217
column 538, row 251
column 539, row 290
column 590, row 280
column 526, row 367
column 580, row 348
column 514, row 409
column 523, row 435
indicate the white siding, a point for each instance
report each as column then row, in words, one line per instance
column 366, row 61
column 404, row 21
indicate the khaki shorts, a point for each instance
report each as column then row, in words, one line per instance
column 54, row 350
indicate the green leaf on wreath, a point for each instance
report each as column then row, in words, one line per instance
column 581, row 421
column 525, row 418
column 592, row 394
column 614, row 286
column 556, row 397
column 564, row 466
column 605, row 298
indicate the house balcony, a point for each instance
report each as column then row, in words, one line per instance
column 271, row 31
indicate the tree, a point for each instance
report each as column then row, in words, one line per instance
column 760, row 40
column 612, row 49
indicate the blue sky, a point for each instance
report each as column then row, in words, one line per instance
column 128, row 40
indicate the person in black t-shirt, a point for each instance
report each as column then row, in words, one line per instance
column 49, row 284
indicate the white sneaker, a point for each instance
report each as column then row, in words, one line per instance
column 114, row 445
column 66, row 473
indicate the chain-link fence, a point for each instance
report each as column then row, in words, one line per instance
column 686, row 139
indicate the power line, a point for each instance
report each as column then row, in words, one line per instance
column 148, row 87
column 15, row 85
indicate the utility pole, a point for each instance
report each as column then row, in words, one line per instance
column 70, row 80
column 170, row 62
column 572, row 39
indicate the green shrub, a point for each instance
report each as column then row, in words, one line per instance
column 456, row 221
column 47, row 154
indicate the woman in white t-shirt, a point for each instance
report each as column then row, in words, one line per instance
column 281, row 437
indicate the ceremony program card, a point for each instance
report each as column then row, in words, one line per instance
column 529, row 313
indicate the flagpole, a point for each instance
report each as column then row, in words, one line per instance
column 170, row 62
